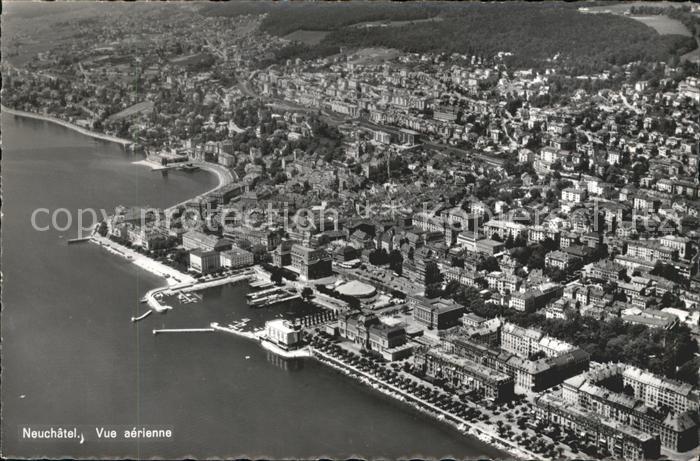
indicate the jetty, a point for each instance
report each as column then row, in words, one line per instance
column 183, row 330
column 141, row 317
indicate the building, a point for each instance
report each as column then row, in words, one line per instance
column 283, row 333
column 235, row 258
column 504, row 229
column 466, row 277
column 526, row 342
column 535, row 298
column 559, row 259
column 573, row 195
column 538, row 234
column 651, row 318
column 382, row 137
column 604, row 271
column 680, row 244
column 435, row 313
column 463, row 373
column 407, row 136
column 621, row 440
column 310, row 263
column 658, row 391
column 265, row 237
column 489, row 247
column 204, row 262
column 627, row 395
column 282, row 256
column 192, row 240
column 445, row 113
column 147, row 237
column 530, row 375
column 371, row 334
column 652, row 250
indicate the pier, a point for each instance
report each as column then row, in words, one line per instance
column 183, row 330
column 141, row 317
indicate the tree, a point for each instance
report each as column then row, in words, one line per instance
column 260, row 253
column 378, row 257
column 306, row 293
column 668, row 272
column 489, row 264
column 433, row 279
column 349, row 253
column 469, row 297
column 102, row 230
column 276, row 276
column 671, row 300
column 396, row 261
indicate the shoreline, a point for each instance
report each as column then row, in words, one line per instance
column 174, row 277
column 222, row 174
column 465, row 427
column 68, row 125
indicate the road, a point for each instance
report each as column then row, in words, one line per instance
column 628, row 105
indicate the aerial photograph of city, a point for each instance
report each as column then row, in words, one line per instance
column 350, row 230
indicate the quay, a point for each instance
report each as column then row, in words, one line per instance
column 235, row 330
column 271, row 296
column 260, row 294
column 261, row 284
column 183, row 330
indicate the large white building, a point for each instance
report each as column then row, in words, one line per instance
column 236, row 257
column 283, row 333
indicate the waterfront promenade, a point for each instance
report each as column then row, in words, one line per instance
column 479, row 430
column 171, row 275
column 69, row 125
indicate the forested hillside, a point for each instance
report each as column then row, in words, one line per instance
column 533, row 33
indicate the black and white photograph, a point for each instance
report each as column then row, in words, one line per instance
column 361, row 229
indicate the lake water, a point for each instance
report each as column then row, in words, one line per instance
column 71, row 356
